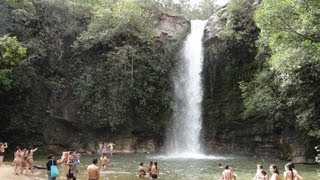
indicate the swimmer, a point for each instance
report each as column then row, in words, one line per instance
column 275, row 172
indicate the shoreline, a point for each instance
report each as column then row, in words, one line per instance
column 6, row 172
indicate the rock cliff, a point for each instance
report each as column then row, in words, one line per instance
column 230, row 51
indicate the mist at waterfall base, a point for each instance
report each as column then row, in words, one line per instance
column 183, row 136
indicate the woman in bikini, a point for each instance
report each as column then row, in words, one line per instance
column 17, row 160
column 290, row 174
column 3, row 146
column 29, row 156
column 23, row 162
column 149, row 168
column 155, row 171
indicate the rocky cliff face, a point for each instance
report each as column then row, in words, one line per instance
column 171, row 27
column 230, row 51
column 64, row 133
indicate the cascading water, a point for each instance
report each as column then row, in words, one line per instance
column 183, row 138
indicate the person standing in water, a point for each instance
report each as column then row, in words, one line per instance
column 3, row 146
column 93, row 170
column 294, row 170
column 104, row 162
column 289, row 173
column 227, row 173
column 275, row 172
column 259, row 175
column 150, row 167
column 155, row 170
column 264, row 175
column 142, row 171
column 110, row 146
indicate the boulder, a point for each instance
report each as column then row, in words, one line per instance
column 54, row 149
column 171, row 27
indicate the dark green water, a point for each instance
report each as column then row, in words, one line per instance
column 124, row 167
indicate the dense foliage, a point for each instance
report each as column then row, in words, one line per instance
column 261, row 77
column 286, row 90
column 91, row 67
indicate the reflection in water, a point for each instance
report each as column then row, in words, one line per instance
column 125, row 167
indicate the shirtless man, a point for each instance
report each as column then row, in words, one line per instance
column 110, row 146
column 227, row 173
column 29, row 156
column 93, row 170
column 3, row 146
column 104, row 161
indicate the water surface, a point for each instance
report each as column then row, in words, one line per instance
column 124, row 167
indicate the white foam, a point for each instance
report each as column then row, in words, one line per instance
column 190, row 156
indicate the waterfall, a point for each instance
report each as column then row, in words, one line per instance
column 183, row 139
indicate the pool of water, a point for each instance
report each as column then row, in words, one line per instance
column 124, row 167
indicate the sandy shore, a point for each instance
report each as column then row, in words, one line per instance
column 6, row 173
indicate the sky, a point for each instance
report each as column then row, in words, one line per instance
column 222, row 2
column 219, row 2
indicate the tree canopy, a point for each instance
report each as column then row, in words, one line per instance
column 287, row 88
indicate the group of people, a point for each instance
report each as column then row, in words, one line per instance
column 290, row 173
column 23, row 160
column 153, row 170
column 105, row 148
column 71, row 159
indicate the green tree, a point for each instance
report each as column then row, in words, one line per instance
column 11, row 54
column 291, row 30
